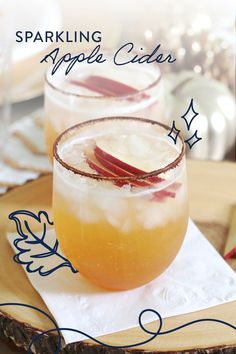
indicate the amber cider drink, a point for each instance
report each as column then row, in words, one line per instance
column 95, row 90
column 120, row 199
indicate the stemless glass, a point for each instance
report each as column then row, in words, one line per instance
column 120, row 199
column 97, row 90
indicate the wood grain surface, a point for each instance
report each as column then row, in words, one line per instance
column 212, row 194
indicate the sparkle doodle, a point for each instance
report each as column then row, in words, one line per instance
column 188, row 117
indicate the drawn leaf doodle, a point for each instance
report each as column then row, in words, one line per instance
column 38, row 251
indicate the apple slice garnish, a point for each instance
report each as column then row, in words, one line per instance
column 107, row 87
column 95, row 165
column 230, row 254
column 163, row 194
column 108, row 165
column 160, row 195
column 119, row 171
column 92, row 87
column 124, row 166
column 102, row 171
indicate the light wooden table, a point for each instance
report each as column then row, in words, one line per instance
column 6, row 349
column 212, row 190
column 212, row 193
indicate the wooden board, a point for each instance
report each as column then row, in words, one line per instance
column 212, row 192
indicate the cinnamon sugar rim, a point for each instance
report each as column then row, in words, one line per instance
column 64, row 92
column 144, row 176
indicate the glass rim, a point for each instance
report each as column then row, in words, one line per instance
column 73, row 94
column 144, row 176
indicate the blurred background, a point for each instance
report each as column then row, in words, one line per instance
column 200, row 34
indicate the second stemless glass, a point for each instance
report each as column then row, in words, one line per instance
column 120, row 232
column 96, row 90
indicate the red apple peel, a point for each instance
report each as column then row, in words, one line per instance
column 107, row 87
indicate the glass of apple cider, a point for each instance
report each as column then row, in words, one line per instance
column 95, row 90
column 120, row 199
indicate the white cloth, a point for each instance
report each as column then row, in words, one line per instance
column 197, row 279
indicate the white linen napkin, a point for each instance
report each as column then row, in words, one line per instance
column 197, row 279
